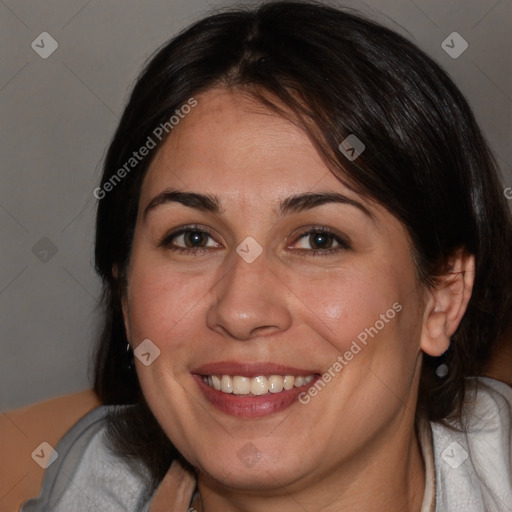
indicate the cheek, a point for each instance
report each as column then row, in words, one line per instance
column 161, row 301
column 344, row 304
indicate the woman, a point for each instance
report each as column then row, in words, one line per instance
column 304, row 242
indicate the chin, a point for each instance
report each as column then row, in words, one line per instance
column 252, row 469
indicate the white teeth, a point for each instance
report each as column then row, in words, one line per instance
column 226, row 384
column 241, row 385
column 299, row 381
column 288, row 382
column 275, row 383
column 259, row 385
column 216, row 382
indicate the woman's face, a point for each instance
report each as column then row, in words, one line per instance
column 272, row 268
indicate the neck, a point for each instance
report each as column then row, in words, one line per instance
column 387, row 475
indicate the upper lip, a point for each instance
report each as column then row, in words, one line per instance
column 250, row 369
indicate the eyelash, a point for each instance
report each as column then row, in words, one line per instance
column 343, row 244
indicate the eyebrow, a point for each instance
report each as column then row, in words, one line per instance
column 309, row 200
column 203, row 202
column 293, row 204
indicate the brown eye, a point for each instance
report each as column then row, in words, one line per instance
column 195, row 238
column 321, row 241
column 189, row 240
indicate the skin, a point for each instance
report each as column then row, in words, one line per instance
column 353, row 446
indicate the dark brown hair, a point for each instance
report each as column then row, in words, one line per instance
column 425, row 161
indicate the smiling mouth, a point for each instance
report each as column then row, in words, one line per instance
column 252, row 389
column 255, row 386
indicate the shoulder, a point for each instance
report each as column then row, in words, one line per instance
column 473, row 462
column 86, row 475
column 23, row 430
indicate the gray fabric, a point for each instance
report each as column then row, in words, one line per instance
column 473, row 469
column 87, row 477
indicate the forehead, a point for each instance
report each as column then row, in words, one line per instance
column 231, row 143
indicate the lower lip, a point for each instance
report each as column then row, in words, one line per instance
column 251, row 406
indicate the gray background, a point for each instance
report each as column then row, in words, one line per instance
column 59, row 114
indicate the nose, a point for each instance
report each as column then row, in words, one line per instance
column 249, row 301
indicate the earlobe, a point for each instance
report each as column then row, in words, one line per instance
column 435, row 338
column 447, row 303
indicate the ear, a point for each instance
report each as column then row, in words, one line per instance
column 124, row 303
column 447, row 303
